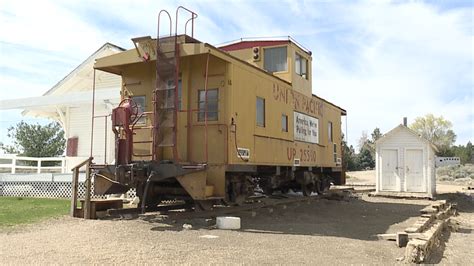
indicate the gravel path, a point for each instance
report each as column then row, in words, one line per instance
column 323, row 232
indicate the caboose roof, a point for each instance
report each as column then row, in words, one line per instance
column 245, row 43
column 192, row 46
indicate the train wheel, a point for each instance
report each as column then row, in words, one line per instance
column 285, row 190
column 239, row 189
column 325, row 184
column 307, row 189
column 268, row 190
column 203, row 205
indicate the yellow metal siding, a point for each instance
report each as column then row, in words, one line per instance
column 299, row 83
column 239, row 84
column 269, row 145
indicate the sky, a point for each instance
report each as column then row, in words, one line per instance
column 379, row 60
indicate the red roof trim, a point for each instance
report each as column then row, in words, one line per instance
column 250, row 44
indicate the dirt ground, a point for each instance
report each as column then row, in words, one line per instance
column 323, row 232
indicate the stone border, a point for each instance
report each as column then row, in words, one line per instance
column 434, row 219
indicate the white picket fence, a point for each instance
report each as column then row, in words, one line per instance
column 16, row 163
column 21, row 179
column 45, row 185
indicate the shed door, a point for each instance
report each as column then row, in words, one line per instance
column 389, row 169
column 414, row 178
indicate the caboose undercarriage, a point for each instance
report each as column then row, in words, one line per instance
column 159, row 181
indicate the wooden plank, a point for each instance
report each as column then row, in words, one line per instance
column 394, row 236
column 87, row 161
column 268, row 203
column 75, row 180
column 87, row 200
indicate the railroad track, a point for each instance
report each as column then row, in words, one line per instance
column 177, row 211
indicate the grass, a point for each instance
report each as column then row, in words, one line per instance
column 17, row 210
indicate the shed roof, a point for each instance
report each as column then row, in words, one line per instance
column 407, row 129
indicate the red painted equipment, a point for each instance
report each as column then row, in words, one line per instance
column 122, row 119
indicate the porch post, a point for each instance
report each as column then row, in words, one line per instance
column 13, row 165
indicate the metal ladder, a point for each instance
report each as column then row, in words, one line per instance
column 165, row 98
column 165, row 94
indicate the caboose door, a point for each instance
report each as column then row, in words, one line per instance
column 206, row 141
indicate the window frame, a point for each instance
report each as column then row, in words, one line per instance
column 141, row 109
column 256, row 112
column 170, row 92
column 284, row 129
column 201, row 115
column 330, row 132
column 299, row 59
column 265, row 59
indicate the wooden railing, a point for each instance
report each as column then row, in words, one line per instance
column 75, row 183
column 14, row 165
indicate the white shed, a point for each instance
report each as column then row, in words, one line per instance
column 405, row 163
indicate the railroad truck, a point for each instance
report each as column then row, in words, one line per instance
column 209, row 125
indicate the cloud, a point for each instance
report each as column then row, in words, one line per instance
column 405, row 60
column 379, row 60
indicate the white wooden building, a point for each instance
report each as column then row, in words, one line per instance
column 405, row 164
column 70, row 103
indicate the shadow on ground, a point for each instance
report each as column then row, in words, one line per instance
column 465, row 202
column 356, row 218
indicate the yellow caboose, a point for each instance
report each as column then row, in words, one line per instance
column 205, row 124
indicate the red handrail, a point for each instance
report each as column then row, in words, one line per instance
column 171, row 23
column 193, row 16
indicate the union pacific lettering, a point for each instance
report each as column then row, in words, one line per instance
column 307, row 154
column 301, row 103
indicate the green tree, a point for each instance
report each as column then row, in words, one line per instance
column 349, row 158
column 376, row 134
column 366, row 157
column 370, row 144
column 365, row 160
column 36, row 140
column 465, row 153
column 437, row 130
column 470, row 149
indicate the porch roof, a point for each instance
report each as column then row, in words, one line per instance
column 52, row 101
column 48, row 106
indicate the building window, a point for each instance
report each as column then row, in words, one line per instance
column 335, row 152
column 260, row 112
column 170, row 94
column 275, row 59
column 212, row 105
column 301, row 66
column 330, row 132
column 284, row 123
column 141, row 103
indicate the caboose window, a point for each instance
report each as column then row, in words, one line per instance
column 141, row 104
column 284, row 123
column 170, row 93
column 275, row 59
column 330, row 132
column 260, row 112
column 301, row 65
column 212, row 105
